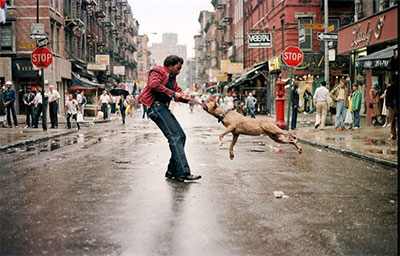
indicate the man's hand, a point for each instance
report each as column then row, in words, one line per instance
column 181, row 97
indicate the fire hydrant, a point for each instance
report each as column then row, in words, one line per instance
column 280, row 103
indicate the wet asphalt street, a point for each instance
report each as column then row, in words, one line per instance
column 102, row 191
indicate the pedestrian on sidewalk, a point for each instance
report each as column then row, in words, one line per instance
column 385, row 111
column 356, row 105
column 160, row 90
column 82, row 103
column 29, row 102
column 104, row 99
column 71, row 110
column 295, row 104
column 306, row 97
column 349, row 113
column 392, row 103
column 375, row 104
column 251, row 105
column 340, row 99
column 38, row 105
column 54, row 97
column 8, row 101
column 2, row 108
column 322, row 101
column 122, row 106
column 113, row 104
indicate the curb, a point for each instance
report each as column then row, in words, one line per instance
column 39, row 139
column 350, row 153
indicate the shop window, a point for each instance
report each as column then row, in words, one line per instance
column 307, row 44
column 6, row 37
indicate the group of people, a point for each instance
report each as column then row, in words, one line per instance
column 348, row 105
column 126, row 104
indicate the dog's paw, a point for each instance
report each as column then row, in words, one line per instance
column 221, row 144
column 300, row 150
column 231, row 157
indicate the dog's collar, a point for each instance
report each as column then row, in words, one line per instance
column 223, row 114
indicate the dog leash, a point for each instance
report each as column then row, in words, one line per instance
column 197, row 102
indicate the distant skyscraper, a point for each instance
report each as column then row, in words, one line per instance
column 169, row 46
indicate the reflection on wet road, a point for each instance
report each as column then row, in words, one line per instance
column 102, row 191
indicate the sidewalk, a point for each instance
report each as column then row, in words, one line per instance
column 370, row 143
column 15, row 137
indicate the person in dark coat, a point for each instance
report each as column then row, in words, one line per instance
column 29, row 102
column 307, row 96
column 2, row 109
column 392, row 101
column 295, row 105
column 9, row 98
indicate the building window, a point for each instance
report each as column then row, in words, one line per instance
column 6, row 37
column 51, row 3
column 273, row 41
column 283, row 32
column 376, row 4
column 57, row 5
column 307, row 44
column 10, row 2
column 52, row 36
column 58, row 40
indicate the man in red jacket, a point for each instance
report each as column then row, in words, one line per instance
column 160, row 90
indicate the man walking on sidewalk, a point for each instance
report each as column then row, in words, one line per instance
column 157, row 95
column 8, row 101
column 322, row 101
column 29, row 101
column 54, row 97
column 295, row 105
column 251, row 105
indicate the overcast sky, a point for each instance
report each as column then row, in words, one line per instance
column 170, row 16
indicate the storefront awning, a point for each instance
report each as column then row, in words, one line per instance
column 253, row 73
column 378, row 60
column 78, row 81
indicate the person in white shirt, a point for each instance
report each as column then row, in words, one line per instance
column 322, row 101
column 54, row 97
column 71, row 109
column 104, row 99
column 38, row 105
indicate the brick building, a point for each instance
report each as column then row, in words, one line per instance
column 77, row 30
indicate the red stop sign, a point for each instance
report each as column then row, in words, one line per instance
column 292, row 56
column 41, row 57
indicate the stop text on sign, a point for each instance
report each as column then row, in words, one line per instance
column 41, row 57
column 262, row 40
column 292, row 56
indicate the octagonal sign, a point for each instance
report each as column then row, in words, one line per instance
column 292, row 56
column 42, row 57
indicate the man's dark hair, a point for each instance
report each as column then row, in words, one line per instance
column 323, row 83
column 172, row 60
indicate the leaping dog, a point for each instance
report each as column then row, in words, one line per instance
column 237, row 124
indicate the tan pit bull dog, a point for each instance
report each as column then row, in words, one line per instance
column 237, row 124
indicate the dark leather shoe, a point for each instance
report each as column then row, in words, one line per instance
column 184, row 177
column 170, row 175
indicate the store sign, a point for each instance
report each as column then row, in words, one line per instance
column 95, row 66
column 377, row 29
column 259, row 40
column 231, row 67
column 27, row 46
column 119, row 70
column 103, row 59
column 23, row 68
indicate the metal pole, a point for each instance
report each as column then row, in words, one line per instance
column 41, row 73
column 326, row 21
column 289, row 98
column 244, row 36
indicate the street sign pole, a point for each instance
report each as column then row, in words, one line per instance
column 326, row 21
column 289, row 98
column 41, row 78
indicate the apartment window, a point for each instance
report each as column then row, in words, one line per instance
column 51, row 3
column 58, row 40
column 52, row 36
column 57, row 5
column 283, row 32
column 273, row 41
column 307, row 44
column 273, row 3
column 10, row 2
column 6, row 37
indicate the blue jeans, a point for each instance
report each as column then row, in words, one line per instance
column 251, row 110
column 340, row 110
column 356, row 118
column 172, row 130
column 294, row 118
column 104, row 109
column 30, row 115
column 11, row 109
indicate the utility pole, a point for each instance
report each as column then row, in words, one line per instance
column 326, row 21
column 244, row 35
column 41, row 78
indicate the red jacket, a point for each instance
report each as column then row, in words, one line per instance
column 158, row 78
